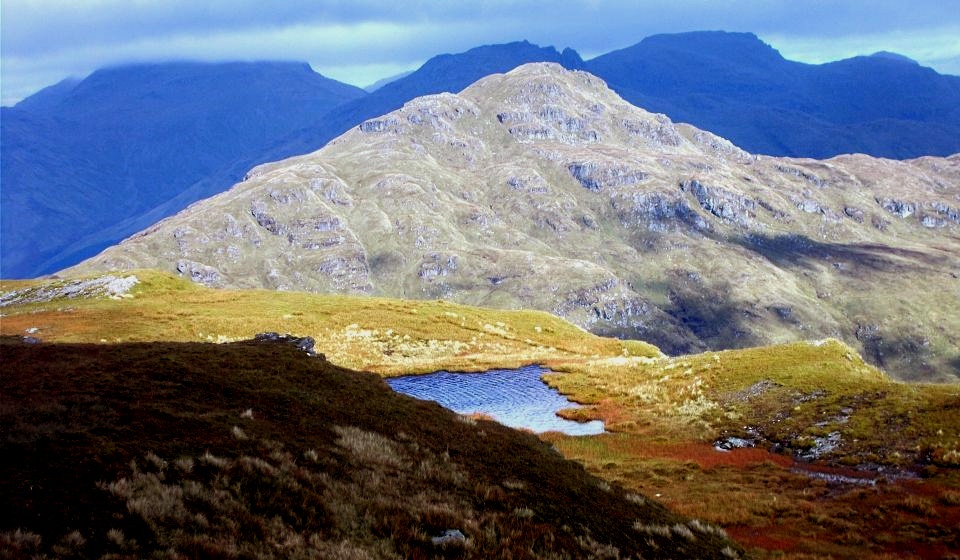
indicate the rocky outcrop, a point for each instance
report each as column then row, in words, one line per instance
column 807, row 176
column 436, row 264
column 374, row 126
column 103, row 286
column 899, row 208
column 450, row 539
column 661, row 132
column 656, row 211
column 304, row 344
column 721, row 202
column 946, row 212
column 200, row 273
column 596, row 177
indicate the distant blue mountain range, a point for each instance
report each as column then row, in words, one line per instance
column 85, row 163
column 737, row 86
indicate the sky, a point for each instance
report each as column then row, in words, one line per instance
column 361, row 41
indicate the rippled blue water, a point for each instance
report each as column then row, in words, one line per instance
column 514, row 397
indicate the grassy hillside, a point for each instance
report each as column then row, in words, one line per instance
column 383, row 335
column 845, row 462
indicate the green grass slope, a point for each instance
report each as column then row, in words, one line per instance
column 388, row 336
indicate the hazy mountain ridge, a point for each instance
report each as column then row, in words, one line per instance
column 83, row 157
column 542, row 188
column 735, row 85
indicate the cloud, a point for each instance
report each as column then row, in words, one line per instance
column 356, row 40
column 933, row 46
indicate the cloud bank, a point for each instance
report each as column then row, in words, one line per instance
column 360, row 41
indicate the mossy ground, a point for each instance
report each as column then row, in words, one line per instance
column 665, row 412
column 885, row 490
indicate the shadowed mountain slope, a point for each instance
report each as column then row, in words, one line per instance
column 81, row 157
column 541, row 188
column 738, row 87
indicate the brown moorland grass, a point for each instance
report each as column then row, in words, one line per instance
column 772, row 508
column 256, row 450
column 792, row 396
column 666, row 412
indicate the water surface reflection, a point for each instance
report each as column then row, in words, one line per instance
column 514, row 397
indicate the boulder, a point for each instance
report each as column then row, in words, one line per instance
column 304, row 344
column 451, row 538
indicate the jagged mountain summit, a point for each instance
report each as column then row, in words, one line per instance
column 737, row 86
column 541, row 188
column 443, row 73
column 86, row 163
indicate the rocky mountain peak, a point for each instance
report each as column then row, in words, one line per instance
column 714, row 44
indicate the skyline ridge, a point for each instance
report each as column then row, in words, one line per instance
column 369, row 81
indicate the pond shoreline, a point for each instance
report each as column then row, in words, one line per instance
column 517, row 397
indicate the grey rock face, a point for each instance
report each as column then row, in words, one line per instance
column 661, row 133
column 721, row 202
column 856, row 214
column 899, row 208
column 597, row 177
column 436, row 264
column 947, row 212
column 378, row 125
column 807, row 176
column 103, row 286
column 656, row 211
column 200, row 273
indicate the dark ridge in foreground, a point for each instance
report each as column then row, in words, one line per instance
column 258, row 450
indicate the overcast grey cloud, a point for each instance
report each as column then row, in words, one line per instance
column 359, row 41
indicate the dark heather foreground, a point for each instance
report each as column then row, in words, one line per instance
column 256, row 449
